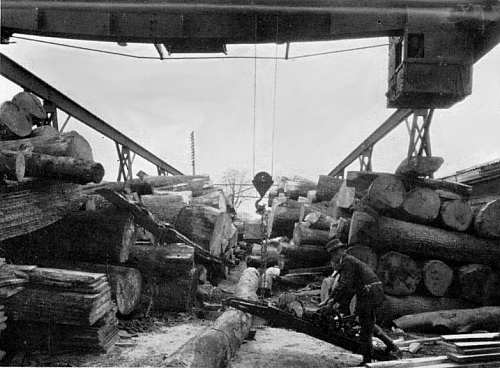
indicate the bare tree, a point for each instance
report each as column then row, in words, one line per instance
column 235, row 184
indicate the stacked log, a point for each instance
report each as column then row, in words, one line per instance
column 167, row 206
column 57, row 302
column 428, row 242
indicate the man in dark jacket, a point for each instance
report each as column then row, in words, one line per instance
column 356, row 277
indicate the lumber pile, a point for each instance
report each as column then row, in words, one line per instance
column 61, row 308
column 473, row 348
column 433, row 250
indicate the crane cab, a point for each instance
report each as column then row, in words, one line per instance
column 429, row 68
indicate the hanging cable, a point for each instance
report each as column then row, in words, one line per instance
column 273, row 134
column 254, row 95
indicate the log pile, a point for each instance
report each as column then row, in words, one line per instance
column 428, row 240
column 60, row 309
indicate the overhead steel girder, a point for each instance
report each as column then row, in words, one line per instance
column 366, row 147
column 30, row 82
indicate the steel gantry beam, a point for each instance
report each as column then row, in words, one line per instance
column 364, row 151
column 30, row 82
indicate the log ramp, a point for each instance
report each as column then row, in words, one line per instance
column 214, row 346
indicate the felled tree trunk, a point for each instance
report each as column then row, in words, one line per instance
column 445, row 321
column 327, row 187
column 12, row 165
column 70, row 169
column 13, row 121
column 487, row 221
column 258, row 261
column 215, row 199
column 399, row 273
column 305, row 255
column 87, row 236
column 419, row 166
column 478, row 283
column 422, row 205
column 342, row 230
column 175, row 183
column 394, row 307
column 285, row 215
column 319, row 221
column 204, row 225
column 30, row 105
column 125, row 282
column 364, row 254
column 386, row 193
column 165, row 207
column 456, row 215
column 437, row 277
column 389, row 234
column 302, row 234
column 298, row 187
column 215, row 345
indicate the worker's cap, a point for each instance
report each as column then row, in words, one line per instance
column 334, row 244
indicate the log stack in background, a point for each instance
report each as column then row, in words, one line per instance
column 429, row 241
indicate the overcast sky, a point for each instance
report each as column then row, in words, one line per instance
column 325, row 106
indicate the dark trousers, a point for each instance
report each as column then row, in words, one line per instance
column 368, row 303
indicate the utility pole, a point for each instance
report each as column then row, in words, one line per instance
column 193, row 152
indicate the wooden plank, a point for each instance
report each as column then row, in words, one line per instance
column 478, row 351
column 459, row 358
column 477, row 344
column 472, row 336
column 410, row 363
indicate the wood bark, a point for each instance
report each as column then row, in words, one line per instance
column 395, row 307
column 364, row 254
column 298, row 187
column 327, row 187
column 478, row 283
column 437, row 277
column 389, row 234
column 419, row 166
column 487, row 220
column 305, row 255
column 13, row 121
column 399, row 273
column 125, row 282
column 204, row 225
column 258, row 262
column 386, row 192
column 319, row 221
column 285, row 215
column 174, row 183
column 446, row 321
column 215, row 198
column 79, row 171
column 302, row 234
column 12, row 165
column 214, row 347
column 30, row 105
column 361, row 180
column 422, row 205
column 88, row 236
column 456, row 215
column 165, row 207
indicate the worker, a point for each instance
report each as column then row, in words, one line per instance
column 355, row 277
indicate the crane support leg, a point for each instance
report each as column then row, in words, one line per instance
column 365, row 159
column 125, row 163
column 51, row 110
column 419, row 130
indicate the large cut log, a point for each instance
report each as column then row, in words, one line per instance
column 395, row 307
column 69, row 144
column 446, row 321
column 33, row 206
column 165, row 207
column 125, row 282
column 421, row 205
column 258, row 261
column 174, row 183
column 302, row 234
column 478, row 283
column 204, row 225
column 88, row 236
column 169, row 282
column 284, row 216
column 214, row 198
column 30, row 105
column 298, row 187
column 12, row 165
column 319, row 221
column 419, row 166
column 304, row 255
column 361, row 180
column 364, row 254
column 343, row 229
column 75, row 170
column 399, row 273
column 487, row 220
column 437, row 277
column 13, row 121
column 327, row 187
column 386, row 192
column 214, row 347
column 389, row 234
column 456, row 215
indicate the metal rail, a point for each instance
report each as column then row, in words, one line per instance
column 392, row 122
column 30, row 82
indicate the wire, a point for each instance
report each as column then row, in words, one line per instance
column 254, row 94
column 274, row 99
column 200, row 57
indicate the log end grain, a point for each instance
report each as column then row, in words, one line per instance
column 399, row 273
column 437, row 277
